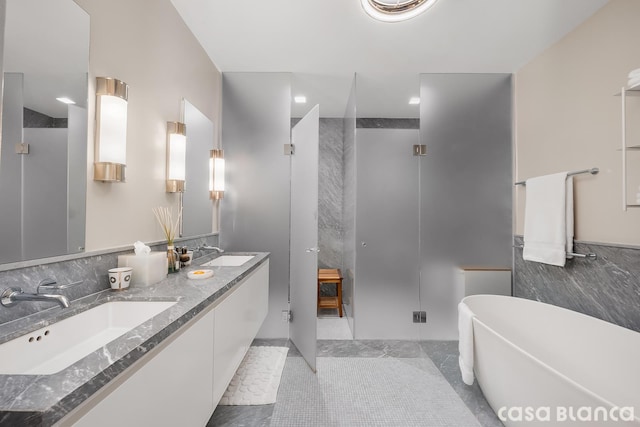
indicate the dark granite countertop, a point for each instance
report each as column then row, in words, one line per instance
column 44, row 399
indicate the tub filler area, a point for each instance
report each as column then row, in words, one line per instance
column 539, row 364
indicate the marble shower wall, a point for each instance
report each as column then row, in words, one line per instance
column 331, row 183
column 34, row 119
column 330, row 194
column 380, row 123
column 349, row 207
column 607, row 288
column 91, row 269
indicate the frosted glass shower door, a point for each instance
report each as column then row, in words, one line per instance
column 44, row 193
column 304, row 235
column 387, row 234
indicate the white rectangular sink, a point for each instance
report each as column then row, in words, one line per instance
column 59, row 345
column 228, row 261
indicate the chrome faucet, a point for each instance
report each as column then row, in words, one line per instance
column 11, row 296
column 210, row 248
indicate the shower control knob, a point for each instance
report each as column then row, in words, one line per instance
column 364, row 244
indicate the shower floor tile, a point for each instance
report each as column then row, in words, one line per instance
column 334, row 328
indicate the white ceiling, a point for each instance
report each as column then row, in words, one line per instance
column 330, row 40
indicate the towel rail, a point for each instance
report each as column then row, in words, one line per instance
column 592, row 171
column 569, row 254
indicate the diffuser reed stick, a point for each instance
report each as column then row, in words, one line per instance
column 165, row 219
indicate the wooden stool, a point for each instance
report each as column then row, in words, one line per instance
column 330, row 276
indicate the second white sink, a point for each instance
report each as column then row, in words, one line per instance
column 228, row 261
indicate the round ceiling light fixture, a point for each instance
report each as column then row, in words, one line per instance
column 396, row 10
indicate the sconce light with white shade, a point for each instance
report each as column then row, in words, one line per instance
column 176, row 156
column 111, row 130
column 216, row 175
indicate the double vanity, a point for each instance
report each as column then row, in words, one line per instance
column 156, row 355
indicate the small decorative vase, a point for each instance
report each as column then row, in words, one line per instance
column 173, row 260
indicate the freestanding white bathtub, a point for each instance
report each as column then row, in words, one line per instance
column 538, row 364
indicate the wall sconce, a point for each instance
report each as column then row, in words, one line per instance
column 216, row 175
column 176, row 156
column 111, row 130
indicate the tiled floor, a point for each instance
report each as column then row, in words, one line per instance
column 368, row 392
column 444, row 354
column 333, row 327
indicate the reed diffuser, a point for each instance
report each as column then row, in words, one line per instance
column 169, row 227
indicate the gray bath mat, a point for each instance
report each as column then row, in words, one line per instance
column 353, row 392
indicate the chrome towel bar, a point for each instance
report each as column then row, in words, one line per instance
column 592, row 171
column 569, row 254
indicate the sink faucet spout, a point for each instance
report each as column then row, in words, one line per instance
column 11, row 296
column 211, row 248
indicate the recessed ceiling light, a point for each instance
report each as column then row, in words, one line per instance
column 300, row 99
column 414, row 100
column 65, row 100
column 396, row 10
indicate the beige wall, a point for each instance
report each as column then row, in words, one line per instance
column 568, row 119
column 146, row 44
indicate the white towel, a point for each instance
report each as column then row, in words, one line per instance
column 634, row 73
column 633, row 82
column 465, row 342
column 548, row 219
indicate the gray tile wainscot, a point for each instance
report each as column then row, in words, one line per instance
column 42, row 400
column 607, row 287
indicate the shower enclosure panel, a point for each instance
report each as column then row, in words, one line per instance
column 465, row 187
column 44, row 193
column 76, row 178
column 254, row 214
column 11, row 169
column 349, row 208
column 387, row 234
column 304, row 235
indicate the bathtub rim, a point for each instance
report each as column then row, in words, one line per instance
column 552, row 306
column 534, row 359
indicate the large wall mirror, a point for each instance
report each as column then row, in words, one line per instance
column 44, row 129
column 43, row 147
column 197, row 214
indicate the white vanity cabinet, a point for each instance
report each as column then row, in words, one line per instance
column 180, row 382
column 172, row 387
column 238, row 319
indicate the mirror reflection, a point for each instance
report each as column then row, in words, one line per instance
column 44, row 129
column 197, row 211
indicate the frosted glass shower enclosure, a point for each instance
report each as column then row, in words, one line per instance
column 418, row 218
column 409, row 222
column 387, row 240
